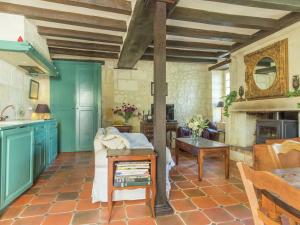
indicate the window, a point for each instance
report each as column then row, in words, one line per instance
column 227, row 82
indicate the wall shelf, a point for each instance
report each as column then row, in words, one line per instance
column 26, row 57
column 267, row 105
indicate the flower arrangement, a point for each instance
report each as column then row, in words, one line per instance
column 197, row 123
column 126, row 111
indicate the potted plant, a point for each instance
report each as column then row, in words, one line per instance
column 126, row 111
column 229, row 99
column 197, row 123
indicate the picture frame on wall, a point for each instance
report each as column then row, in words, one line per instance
column 34, row 89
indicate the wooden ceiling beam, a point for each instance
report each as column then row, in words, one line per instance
column 281, row 24
column 64, row 17
column 287, row 5
column 73, row 52
column 140, row 32
column 90, row 36
column 81, row 59
column 82, row 45
column 207, row 34
column 201, row 16
column 182, row 59
column 186, row 53
column 139, row 35
column 197, row 45
column 219, row 65
column 115, row 6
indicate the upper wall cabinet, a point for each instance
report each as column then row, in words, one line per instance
column 267, row 71
column 26, row 57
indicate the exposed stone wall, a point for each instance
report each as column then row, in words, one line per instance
column 189, row 88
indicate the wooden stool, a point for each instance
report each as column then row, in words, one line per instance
column 130, row 155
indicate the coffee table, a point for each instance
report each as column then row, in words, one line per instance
column 202, row 147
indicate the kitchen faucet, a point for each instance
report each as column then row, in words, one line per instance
column 2, row 117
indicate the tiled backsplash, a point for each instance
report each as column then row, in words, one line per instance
column 14, row 90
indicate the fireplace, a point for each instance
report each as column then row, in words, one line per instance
column 275, row 129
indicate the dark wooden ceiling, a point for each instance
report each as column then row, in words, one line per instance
column 98, row 28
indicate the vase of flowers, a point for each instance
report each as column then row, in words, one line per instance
column 197, row 123
column 126, row 111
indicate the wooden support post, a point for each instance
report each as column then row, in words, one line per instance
column 162, row 206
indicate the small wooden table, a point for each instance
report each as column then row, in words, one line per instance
column 127, row 156
column 274, row 204
column 147, row 128
column 202, row 147
column 124, row 128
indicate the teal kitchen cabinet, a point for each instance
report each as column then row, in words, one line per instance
column 51, row 141
column 17, row 149
column 39, row 149
column 25, row 151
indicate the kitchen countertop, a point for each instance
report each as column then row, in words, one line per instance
column 16, row 123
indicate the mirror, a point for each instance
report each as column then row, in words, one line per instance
column 265, row 73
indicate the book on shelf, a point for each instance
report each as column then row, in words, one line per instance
column 128, row 173
column 128, row 184
column 132, row 178
column 132, row 173
column 133, row 162
column 132, row 167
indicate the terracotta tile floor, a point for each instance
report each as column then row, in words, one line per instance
column 62, row 196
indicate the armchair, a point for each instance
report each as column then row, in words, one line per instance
column 211, row 132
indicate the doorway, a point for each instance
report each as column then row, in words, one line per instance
column 75, row 100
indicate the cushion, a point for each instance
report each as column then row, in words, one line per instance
column 289, row 145
column 112, row 130
column 101, row 131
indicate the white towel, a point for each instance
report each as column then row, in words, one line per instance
column 112, row 139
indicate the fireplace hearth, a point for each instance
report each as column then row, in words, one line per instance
column 275, row 129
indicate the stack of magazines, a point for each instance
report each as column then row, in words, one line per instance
column 132, row 174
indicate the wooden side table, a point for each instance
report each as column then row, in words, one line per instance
column 124, row 128
column 129, row 155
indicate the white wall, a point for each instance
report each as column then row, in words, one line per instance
column 12, row 26
column 32, row 36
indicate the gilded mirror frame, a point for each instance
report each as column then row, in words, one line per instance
column 279, row 53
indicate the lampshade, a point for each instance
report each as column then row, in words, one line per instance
column 220, row 104
column 42, row 108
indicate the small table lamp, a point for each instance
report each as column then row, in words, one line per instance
column 42, row 109
column 221, row 105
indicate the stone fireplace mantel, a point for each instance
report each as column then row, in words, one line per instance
column 241, row 125
column 266, row 105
